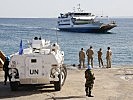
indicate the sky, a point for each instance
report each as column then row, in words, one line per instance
column 52, row 8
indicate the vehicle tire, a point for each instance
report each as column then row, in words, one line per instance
column 14, row 86
column 57, row 84
column 63, row 75
column 65, row 70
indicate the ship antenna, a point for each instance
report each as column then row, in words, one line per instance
column 79, row 7
column 73, row 9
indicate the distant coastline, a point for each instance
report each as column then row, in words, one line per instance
column 56, row 17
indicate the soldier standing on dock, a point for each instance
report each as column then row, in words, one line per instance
column 89, row 81
column 100, row 61
column 90, row 54
column 82, row 58
column 6, row 69
column 109, row 57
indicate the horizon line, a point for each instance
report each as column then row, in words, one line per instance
column 57, row 17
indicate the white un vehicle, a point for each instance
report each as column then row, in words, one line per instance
column 41, row 63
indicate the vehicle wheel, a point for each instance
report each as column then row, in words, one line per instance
column 63, row 75
column 57, row 84
column 65, row 70
column 14, row 86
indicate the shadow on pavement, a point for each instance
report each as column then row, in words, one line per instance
column 5, row 91
column 69, row 97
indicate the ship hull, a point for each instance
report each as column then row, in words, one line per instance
column 82, row 30
column 101, row 29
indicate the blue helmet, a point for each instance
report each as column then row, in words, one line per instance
column 89, row 67
column 8, row 58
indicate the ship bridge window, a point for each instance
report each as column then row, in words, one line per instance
column 66, row 20
column 33, row 60
column 82, row 14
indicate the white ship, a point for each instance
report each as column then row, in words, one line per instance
column 41, row 63
column 80, row 21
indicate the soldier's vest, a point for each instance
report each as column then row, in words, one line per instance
column 89, row 76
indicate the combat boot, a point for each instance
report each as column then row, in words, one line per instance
column 87, row 94
column 90, row 94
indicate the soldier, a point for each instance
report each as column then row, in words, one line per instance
column 82, row 58
column 100, row 61
column 6, row 69
column 89, row 81
column 109, row 57
column 90, row 54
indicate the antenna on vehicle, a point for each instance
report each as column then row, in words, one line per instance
column 56, row 35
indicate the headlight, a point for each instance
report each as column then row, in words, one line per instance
column 13, row 71
column 54, row 71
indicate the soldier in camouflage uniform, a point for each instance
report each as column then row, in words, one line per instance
column 89, row 81
column 90, row 54
column 100, row 57
column 82, row 58
column 109, row 57
column 6, row 69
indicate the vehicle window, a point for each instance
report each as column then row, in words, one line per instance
column 33, row 60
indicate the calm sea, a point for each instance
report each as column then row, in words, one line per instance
column 120, row 39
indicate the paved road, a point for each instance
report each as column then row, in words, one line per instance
column 110, row 84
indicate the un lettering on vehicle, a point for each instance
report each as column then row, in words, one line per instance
column 34, row 71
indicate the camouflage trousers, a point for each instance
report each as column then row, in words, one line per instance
column 108, row 63
column 82, row 62
column 88, row 87
column 88, row 90
column 90, row 61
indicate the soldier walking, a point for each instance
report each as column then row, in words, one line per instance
column 6, row 69
column 100, row 61
column 109, row 57
column 89, row 81
column 90, row 54
column 82, row 58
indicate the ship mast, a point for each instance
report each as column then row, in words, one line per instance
column 79, row 9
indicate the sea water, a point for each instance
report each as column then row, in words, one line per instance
column 119, row 39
